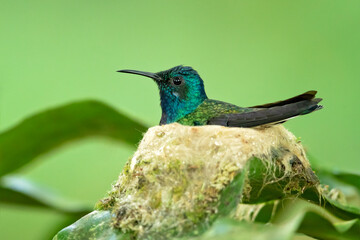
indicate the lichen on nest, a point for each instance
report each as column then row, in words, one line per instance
column 174, row 181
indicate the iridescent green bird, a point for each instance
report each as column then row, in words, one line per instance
column 183, row 100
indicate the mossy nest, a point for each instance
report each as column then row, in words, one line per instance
column 181, row 178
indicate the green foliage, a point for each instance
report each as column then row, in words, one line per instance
column 321, row 213
column 20, row 191
column 296, row 216
column 96, row 225
column 316, row 221
column 48, row 130
column 312, row 213
column 45, row 131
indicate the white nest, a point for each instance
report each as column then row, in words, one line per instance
column 174, row 179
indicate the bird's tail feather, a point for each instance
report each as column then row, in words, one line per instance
column 273, row 114
column 305, row 96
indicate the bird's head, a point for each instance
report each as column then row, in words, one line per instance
column 180, row 82
column 181, row 90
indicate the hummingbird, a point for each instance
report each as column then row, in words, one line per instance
column 183, row 100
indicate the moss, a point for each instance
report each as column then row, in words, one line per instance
column 105, row 203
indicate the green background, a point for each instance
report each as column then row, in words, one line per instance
column 247, row 52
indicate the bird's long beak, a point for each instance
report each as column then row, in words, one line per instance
column 146, row 74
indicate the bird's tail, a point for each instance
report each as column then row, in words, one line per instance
column 271, row 113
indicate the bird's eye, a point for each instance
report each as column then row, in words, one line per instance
column 177, row 80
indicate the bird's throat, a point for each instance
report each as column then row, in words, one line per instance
column 175, row 108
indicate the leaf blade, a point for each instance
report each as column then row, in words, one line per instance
column 95, row 225
column 49, row 129
column 19, row 191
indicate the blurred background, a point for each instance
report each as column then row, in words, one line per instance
column 247, row 52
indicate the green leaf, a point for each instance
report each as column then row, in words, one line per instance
column 315, row 221
column 341, row 210
column 352, row 179
column 47, row 130
column 229, row 198
column 347, row 183
column 231, row 195
column 55, row 228
column 240, row 230
column 296, row 215
column 279, row 185
column 340, row 195
column 95, row 225
column 15, row 190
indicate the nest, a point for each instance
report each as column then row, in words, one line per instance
column 177, row 178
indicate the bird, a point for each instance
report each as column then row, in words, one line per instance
column 183, row 100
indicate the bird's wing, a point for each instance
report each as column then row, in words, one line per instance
column 272, row 113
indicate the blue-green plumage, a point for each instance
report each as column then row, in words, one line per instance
column 181, row 92
column 183, row 100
